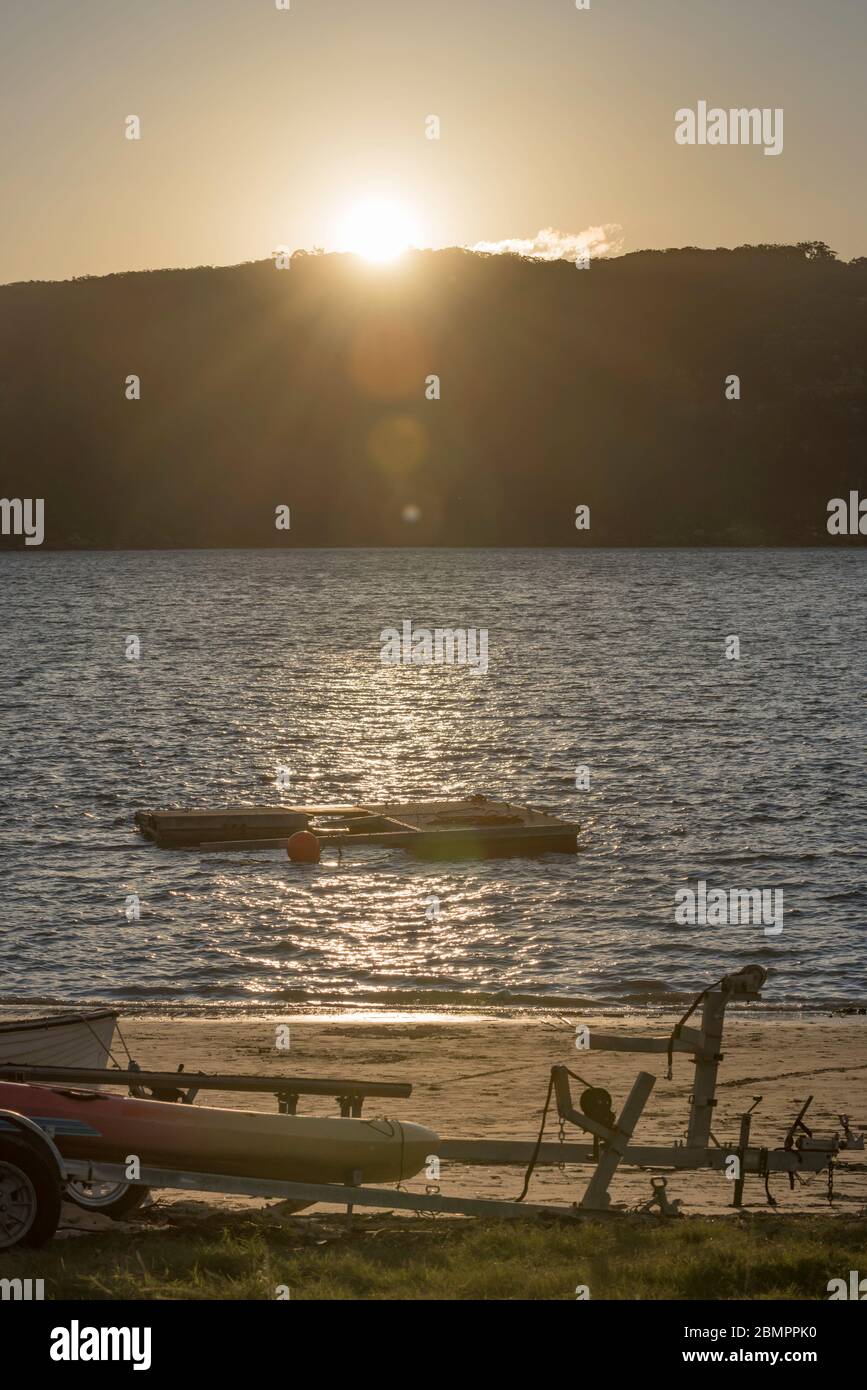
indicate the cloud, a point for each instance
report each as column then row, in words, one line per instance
column 551, row 245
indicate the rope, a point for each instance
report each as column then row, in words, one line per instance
column 123, row 1040
column 678, row 1027
column 536, row 1151
column 535, row 1155
column 88, row 1023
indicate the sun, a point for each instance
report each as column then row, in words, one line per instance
column 378, row 229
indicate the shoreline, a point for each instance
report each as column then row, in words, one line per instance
column 361, row 1012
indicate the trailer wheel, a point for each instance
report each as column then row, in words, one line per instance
column 29, row 1194
column 114, row 1199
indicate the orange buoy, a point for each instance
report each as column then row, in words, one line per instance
column 303, row 847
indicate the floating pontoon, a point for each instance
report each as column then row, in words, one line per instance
column 473, row 828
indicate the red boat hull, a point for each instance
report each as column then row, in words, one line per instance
column 99, row 1127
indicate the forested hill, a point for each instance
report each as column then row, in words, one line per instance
column 311, row 388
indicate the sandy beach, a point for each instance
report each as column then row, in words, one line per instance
column 477, row 1077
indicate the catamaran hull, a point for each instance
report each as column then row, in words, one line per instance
column 71, row 1040
column 97, row 1127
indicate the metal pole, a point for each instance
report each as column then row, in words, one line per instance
column 706, row 1067
column 743, row 1142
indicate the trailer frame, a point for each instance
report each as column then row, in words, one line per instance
column 611, row 1136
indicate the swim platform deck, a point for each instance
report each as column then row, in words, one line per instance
column 477, row 827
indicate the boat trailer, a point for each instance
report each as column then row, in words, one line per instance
column 802, row 1151
column 609, row 1136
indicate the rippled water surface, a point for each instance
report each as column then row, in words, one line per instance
column 746, row 773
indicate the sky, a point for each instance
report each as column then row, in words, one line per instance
column 263, row 127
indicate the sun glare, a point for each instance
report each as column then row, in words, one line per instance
column 378, row 229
